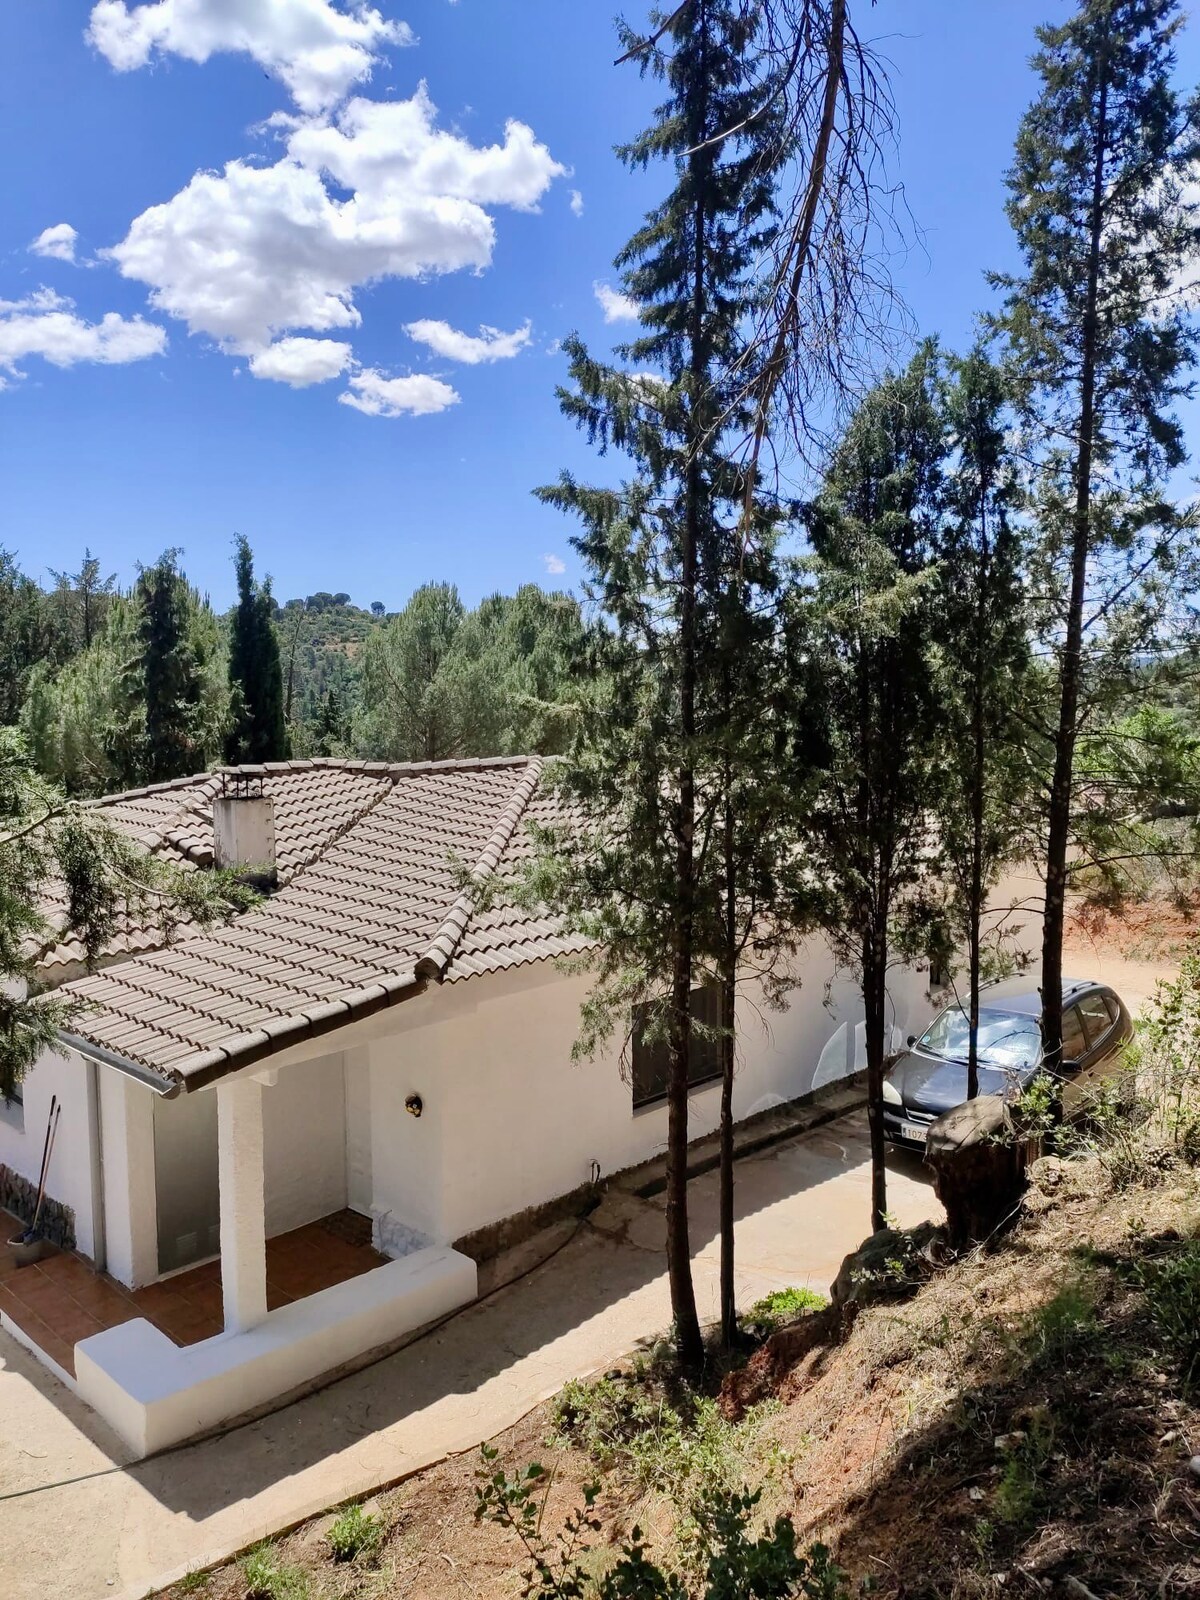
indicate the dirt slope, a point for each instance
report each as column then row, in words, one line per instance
column 1017, row 1427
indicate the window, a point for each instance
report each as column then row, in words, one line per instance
column 652, row 1057
column 1074, row 1040
column 1095, row 1017
column 12, row 1110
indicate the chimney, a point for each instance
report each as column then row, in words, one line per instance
column 244, row 827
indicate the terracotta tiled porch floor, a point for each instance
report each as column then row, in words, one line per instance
column 61, row 1299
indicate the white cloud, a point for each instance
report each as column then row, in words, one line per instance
column 390, row 149
column 555, row 565
column 42, row 299
column 374, row 393
column 318, row 50
column 253, row 252
column 46, row 325
column 576, row 203
column 57, row 242
column 301, row 362
column 489, row 345
column 616, row 307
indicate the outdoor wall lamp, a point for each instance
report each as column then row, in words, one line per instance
column 414, row 1105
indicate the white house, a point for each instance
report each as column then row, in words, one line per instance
column 363, row 1042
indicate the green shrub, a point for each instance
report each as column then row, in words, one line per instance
column 266, row 1579
column 193, row 1582
column 682, row 1448
column 1019, row 1493
column 1062, row 1329
column 355, row 1534
column 733, row 1564
column 1171, row 1284
column 781, row 1306
column 677, row 1446
column 1148, row 1119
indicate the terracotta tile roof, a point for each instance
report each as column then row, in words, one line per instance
column 375, row 905
column 315, row 802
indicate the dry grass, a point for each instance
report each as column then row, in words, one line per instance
column 885, row 1441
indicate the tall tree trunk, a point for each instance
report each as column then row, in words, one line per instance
column 874, row 928
column 975, row 891
column 728, row 979
column 975, row 917
column 1059, row 829
column 874, row 966
column 291, row 671
column 679, row 1259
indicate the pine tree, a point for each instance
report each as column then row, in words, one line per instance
column 865, row 635
column 331, row 729
column 259, row 732
column 425, row 694
column 984, row 658
column 28, row 635
column 1100, row 342
column 84, row 597
column 57, row 852
column 643, row 777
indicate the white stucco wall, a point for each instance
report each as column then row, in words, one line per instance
column 23, row 1134
column 357, row 1072
column 304, row 1143
column 127, row 1143
column 155, row 1393
column 508, row 1119
column 186, row 1188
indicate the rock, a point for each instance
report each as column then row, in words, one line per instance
column 1194, row 1466
column 889, row 1264
column 978, row 1160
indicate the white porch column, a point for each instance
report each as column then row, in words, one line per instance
column 243, row 1216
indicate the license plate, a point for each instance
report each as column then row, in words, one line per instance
column 914, row 1130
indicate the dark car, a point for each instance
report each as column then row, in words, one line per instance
column 930, row 1076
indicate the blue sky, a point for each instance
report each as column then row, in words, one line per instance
column 149, row 427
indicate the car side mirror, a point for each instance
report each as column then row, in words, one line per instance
column 912, row 1039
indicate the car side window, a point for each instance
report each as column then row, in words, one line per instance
column 1096, row 1019
column 1074, row 1040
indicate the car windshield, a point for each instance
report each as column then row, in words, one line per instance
column 1006, row 1038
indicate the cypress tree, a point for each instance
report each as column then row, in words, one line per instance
column 258, row 731
column 166, row 675
column 1100, row 340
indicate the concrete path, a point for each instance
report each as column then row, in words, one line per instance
column 79, row 1522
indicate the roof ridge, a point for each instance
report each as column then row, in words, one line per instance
column 437, row 958
column 392, row 769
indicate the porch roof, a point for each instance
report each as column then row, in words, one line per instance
column 376, row 903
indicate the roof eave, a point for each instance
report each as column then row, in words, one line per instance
column 168, row 1088
column 221, row 1063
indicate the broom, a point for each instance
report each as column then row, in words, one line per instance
column 47, row 1152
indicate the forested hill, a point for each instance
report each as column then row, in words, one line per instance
column 321, row 639
column 117, row 688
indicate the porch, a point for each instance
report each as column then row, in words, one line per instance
column 240, row 1266
column 63, row 1299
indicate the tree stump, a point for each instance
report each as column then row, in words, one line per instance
column 978, row 1157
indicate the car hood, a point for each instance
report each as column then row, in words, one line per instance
column 929, row 1083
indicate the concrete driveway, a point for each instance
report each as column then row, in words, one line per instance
column 79, row 1522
